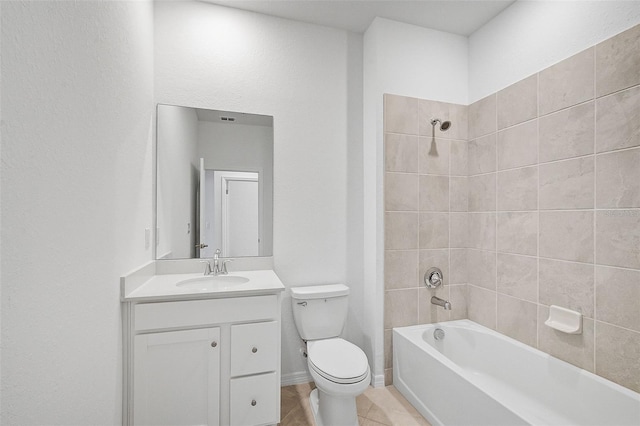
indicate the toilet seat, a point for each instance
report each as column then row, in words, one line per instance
column 338, row 360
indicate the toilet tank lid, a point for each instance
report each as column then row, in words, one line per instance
column 319, row 291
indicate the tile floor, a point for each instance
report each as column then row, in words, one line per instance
column 376, row 406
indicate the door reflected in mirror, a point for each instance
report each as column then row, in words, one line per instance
column 214, row 183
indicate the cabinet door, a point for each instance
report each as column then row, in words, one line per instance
column 176, row 378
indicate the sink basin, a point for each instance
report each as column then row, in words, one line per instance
column 213, row 283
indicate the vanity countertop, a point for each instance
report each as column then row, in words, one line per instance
column 164, row 287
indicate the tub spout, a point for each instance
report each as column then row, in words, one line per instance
column 444, row 303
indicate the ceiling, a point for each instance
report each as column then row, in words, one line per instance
column 454, row 16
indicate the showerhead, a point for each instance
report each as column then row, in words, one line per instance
column 444, row 125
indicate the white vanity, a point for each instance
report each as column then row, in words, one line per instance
column 201, row 349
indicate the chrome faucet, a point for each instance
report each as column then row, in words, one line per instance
column 216, row 262
column 440, row 302
column 217, row 269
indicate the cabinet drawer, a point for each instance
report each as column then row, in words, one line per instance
column 193, row 313
column 254, row 348
column 254, row 400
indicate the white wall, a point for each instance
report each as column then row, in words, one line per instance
column 77, row 113
column 177, row 178
column 411, row 61
column 529, row 36
column 213, row 57
column 226, row 146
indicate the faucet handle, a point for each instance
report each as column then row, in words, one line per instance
column 207, row 269
column 224, row 266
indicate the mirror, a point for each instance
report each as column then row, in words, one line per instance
column 214, row 183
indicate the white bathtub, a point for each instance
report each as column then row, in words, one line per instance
column 475, row 376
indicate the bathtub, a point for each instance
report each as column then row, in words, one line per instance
column 476, row 376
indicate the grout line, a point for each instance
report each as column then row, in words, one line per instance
column 495, row 236
column 538, row 215
column 595, row 204
column 631, row 330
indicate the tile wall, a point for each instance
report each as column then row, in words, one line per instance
column 541, row 206
column 425, row 200
column 554, row 208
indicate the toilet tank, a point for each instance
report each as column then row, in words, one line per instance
column 320, row 311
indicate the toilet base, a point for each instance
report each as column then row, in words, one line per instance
column 331, row 410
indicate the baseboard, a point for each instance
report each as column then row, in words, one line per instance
column 297, row 378
column 377, row 381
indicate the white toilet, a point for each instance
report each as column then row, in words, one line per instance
column 339, row 368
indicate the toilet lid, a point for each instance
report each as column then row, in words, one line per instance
column 338, row 360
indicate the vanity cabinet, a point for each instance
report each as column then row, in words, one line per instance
column 205, row 361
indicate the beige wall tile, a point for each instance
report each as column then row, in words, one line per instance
column 438, row 258
column 455, row 113
column 618, row 238
column 401, row 114
column 576, row 349
column 458, row 267
column 434, row 193
column 482, row 268
column 388, row 380
column 428, row 312
column 482, row 193
column 618, row 62
column 518, row 276
column 567, row 184
column 459, row 230
column 568, row 133
column 618, row 179
column 401, row 153
column 401, row 230
column 482, row 155
column 459, row 194
column 618, row 297
column 567, row 235
column 518, row 189
column 518, row 233
column 434, row 156
column 388, row 349
column 459, row 157
column 618, row 120
column 458, row 300
column 567, row 83
column 400, row 308
column 482, row 117
column 401, row 192
column 434, row 230
column 566, row 284
column 617, row 355
column 482, row 231
column 518, row 102
column 518, row 319
column 400, row 269
column 518, row 146
column 481, row 306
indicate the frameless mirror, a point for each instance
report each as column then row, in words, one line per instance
column 214, row 183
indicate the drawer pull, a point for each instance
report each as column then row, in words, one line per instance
column 253, row 403
column 254, row 350
column 214, row 344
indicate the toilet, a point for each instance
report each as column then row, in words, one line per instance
column 339, row 368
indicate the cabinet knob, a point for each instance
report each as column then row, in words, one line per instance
column 253, row 403
column 214, row 344
column 254, row 350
